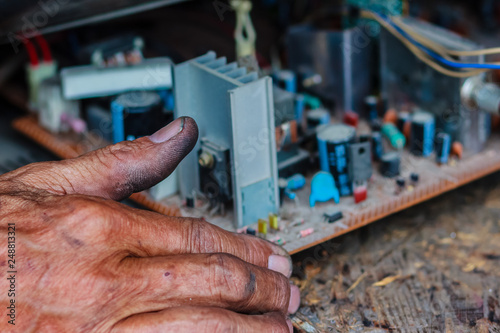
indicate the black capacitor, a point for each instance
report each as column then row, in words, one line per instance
column 390, row 164
column 190, row 202
column 251, row 231
column 282, row 185
column 403, row 117
column 377, row 145
column 376, row 125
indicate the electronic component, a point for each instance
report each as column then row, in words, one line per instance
column 284, row 106
column 91, row 81
column 135, row 114
column 422, row 134
column 215, row 172
column 53, row 108
column 333, row 143
column 333, row 217
column 400, row 185
column 323, row 189
column 262, row 227
column 391, row 116
column 286, row 134
column 346, row 69
column 406, row 79
column 403, row 118
column 251, row 231
column 351, row 118
column 371, row 104
column 305, row 232
column 393, row 135
column 390, row 164
column 360, row 161
column 360, row 193
column 273, row 221
column 457, row 149
column 296, row 182
column 317, row 117
column 233, row 109
column 414, row 179
column 443, row 146
column 286, row 79
column 377, row 145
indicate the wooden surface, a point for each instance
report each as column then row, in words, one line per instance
column 432, row 268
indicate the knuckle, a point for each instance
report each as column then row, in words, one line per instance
column 199, row 236
column 232, row 278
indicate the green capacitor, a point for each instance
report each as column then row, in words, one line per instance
column 395, row 137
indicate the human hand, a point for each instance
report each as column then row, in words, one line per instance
column 86, row 263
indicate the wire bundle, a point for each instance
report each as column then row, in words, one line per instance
column 433, row 54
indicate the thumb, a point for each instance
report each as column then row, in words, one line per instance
column 118, row 170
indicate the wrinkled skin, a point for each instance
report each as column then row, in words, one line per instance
column 86, row 263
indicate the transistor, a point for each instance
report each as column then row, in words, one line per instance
column 400, row 185
column 414, row 178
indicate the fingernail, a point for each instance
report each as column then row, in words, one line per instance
column 294, row 299
column 168, row 132
column 280, row 264
column 290, row 326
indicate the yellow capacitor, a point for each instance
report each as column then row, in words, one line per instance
column 273, row 221
column 262, row 226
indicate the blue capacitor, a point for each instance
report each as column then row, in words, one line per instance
column 323, row 189
column 422, row 134
column 317, row 117
column 333, row 141
column 286, row 79
column 377, row 146
column 299, row 105
column 443, row 146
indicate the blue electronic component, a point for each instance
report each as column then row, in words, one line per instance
column 317, row 117
column 323, row 189
column 286, row 79
column 296, row 182
column 377, row 146
column 135, row 114
column 333, row 141
column 299, row 106
column 443, row 146
column 422, row 134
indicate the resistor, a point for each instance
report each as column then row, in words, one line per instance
column 395, row 137
column 305, row 232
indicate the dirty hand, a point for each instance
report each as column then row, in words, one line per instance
column 85, row 262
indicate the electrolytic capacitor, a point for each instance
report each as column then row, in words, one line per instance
column 403, row 118
column 377, row 146
column 286, row 79
column 443, row 146
column 317, row 117
column 422, row 134
column 371, row 103
column 390, row 164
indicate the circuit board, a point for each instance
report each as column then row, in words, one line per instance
column 296, row 216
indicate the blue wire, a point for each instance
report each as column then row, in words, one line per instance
column 436, row 56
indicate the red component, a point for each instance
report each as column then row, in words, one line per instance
column 44, row 46
column 30, row 48
column 360, row 194
column 351, row 118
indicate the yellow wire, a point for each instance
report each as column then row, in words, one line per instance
column 427, row 42
column 420, row 54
